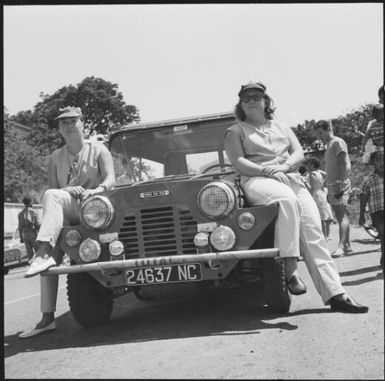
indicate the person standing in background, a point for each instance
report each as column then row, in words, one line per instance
column 338, row 182
column 316, row 179
column 28, row 227
column 372, row 193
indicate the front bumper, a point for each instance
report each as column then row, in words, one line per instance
column 166, row 260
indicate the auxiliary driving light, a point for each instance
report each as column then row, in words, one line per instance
column 201, row 239
column 246, row 221
column 222, row 238
column 72, row 238
column 89, row 250
column 116, row 248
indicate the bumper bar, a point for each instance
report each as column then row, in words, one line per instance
column 167, row 260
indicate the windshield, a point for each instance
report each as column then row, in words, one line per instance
column 181, row 151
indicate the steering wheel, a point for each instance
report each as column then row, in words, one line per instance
column 215, row 165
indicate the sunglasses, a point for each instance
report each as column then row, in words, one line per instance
column 248, row 98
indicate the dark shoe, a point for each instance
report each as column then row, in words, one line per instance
column 347, row 305
column 296, row 286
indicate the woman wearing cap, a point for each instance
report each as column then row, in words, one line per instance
column 76, row 171
column 267, row 154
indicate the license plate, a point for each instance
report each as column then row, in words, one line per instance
column 165, row 274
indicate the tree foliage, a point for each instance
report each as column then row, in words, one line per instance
column 24, row 167
column 102, row 105
column 104, row 111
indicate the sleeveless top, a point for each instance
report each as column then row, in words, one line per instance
column 269, row 145
column 82, row 169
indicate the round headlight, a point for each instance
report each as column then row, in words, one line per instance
column 72, row 238
column 246, row 221
column 216, row 200
column 116, row 248
column 222, row 238
column 89, row 250
column 96, row 212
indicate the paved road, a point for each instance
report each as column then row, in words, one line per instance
column 197, row 339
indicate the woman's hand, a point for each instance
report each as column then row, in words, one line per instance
column 77, row 191
column 269, row 170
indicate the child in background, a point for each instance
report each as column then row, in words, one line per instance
column 374, row 137
column 316, row 180
column 372, row 193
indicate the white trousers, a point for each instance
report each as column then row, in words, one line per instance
column 298, row 230
column 59, row 209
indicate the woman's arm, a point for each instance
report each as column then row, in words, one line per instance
column 106, row 166
column 293, row 161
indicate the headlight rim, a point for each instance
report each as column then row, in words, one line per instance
column 110, row 209
column 229, row 192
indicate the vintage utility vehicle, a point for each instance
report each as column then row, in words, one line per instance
column 177, row 223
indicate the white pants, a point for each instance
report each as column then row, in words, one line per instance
column 59, row 209
column 298, row 230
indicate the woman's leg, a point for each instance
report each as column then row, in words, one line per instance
column 314, row 249
column 264, row 191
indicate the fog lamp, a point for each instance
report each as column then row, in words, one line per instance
column 72, row 238
column 222, row 238
column 246, row 221
column 116, row 248
column 89, row 250
column 201, row 239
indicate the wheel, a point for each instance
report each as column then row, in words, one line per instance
column 90, row 303
column 276, row 293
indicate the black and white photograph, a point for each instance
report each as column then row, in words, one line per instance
column 193, row 191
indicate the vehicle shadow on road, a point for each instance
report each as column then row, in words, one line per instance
column 150, row 321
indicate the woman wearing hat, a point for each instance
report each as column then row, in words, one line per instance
column 267, row 154
column 76, row 171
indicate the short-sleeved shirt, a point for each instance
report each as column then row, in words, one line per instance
column 376, row 133
column 268, row 144
column 373, row 186
column 334, row 148
column 84, row 171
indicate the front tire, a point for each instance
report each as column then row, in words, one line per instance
column 277, row 294
column 90, row 303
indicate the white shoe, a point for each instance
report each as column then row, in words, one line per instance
column 38, row 331
column 39, row 265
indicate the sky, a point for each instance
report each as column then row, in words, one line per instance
column 184, row 60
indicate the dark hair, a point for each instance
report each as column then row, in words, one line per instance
column 302, row 169
column 314, row 162
column 324, row 124
column 269, row 108
column 377, row 110
column 381, row 92
column 27, row 201
column 373, row 156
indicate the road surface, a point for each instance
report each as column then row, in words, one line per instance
column 197, row 339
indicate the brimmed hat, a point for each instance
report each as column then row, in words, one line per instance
column 252, row 85
column 70, row 112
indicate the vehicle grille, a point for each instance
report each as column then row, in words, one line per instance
column 158, row 231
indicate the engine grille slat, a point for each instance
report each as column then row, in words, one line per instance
column 158, row 231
